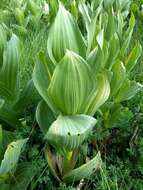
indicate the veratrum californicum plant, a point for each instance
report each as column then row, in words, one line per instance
column 79, row 74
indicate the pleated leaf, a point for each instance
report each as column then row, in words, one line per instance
column 85, row 170
column 133, row 57
column 114, row 49
column 70, row 131
column 9, row 69
column 103, row 92
column 70, row 84
column 2, row 43
column 64, row 34
column 42, row 77
column 11, row 156
column 8, row 115
column 1, row 140
column 119, row 75
column 44, row 116
column 128, row 90
column 127, row 36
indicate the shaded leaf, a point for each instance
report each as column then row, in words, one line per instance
column 44, row 116
column 84, row 171
column 42, row 78
column 11, row 156
column 9, row 70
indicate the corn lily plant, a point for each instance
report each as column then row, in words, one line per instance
column 78, row 75
column 13, row 99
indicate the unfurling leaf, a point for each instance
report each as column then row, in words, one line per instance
column 128, row 90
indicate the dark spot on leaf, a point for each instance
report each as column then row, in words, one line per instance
column 69, row 133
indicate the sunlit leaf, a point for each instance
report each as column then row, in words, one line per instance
column 70, row 131
column 69, row 92
column 103, row 92
column 67, row 37
column 119, row 75
column 132, row 58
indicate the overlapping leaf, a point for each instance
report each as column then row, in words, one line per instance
column 85, row 170
column 64, row 34
column 70, row 131
column 128, row 90
column 119, row 75
column 70, row 84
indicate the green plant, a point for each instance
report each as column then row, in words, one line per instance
column 78, row 75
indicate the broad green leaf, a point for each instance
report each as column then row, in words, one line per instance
column 100, row 39
column 23, row 176
column 26, row 97
column 68, row 93
column 8, row 115
column 127, row 36
column 70, row 131
column 117, row 117
column 96, row 59
column 85, row 170
column 103, row 92
column 44, row 116
column 42, row 77
column 119, row 75
column 108, row 3
column 111, row 25
column 11, row 156
column 84, row 9
column 93, row 30
column 120, row 24
column 9, row 70
column 67, row 37
column 114, row 49
column 1, row 140
column 133, row 57
column 128, row 90
column 19, row 16
column 2, row 43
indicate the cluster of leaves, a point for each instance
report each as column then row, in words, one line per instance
column 84, row 75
